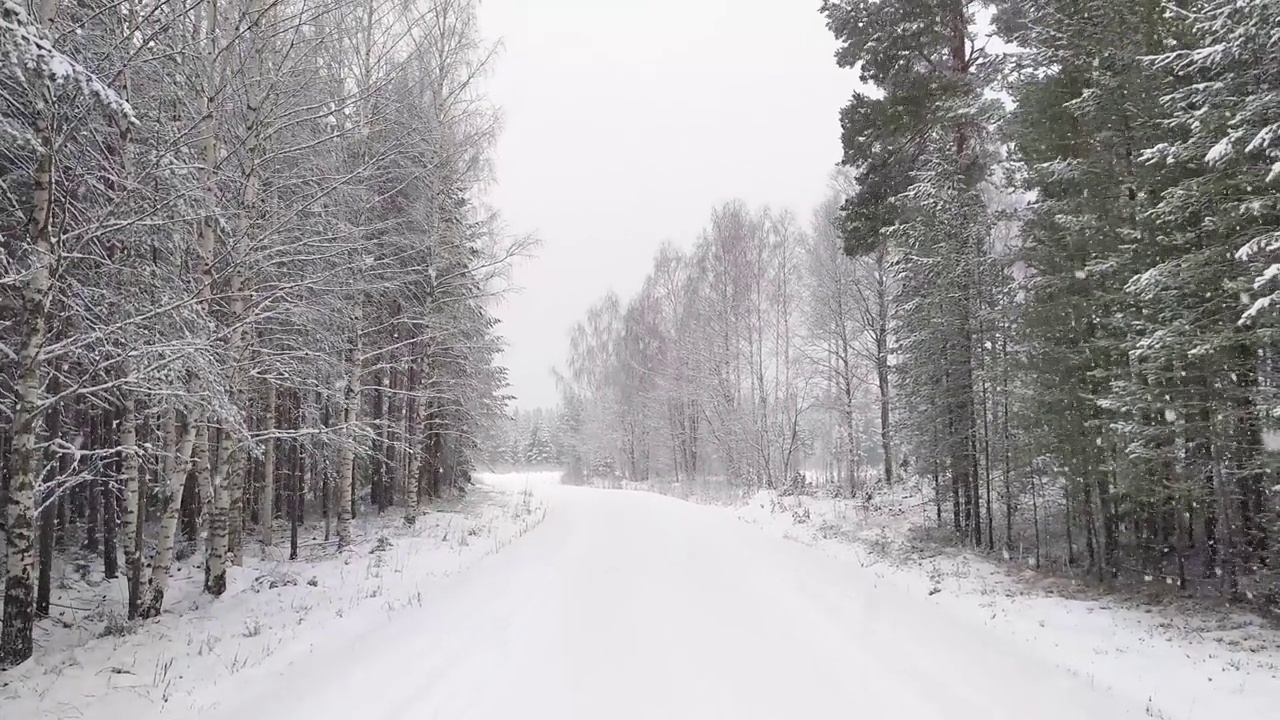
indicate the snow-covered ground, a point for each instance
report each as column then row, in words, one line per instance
column 95, row 665
column 629, row 605
column 1201, row 666
column 625, row 604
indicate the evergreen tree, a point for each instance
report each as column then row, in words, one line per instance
column 1219, row 240
column 918, row 147
column 1085, row 109
column 1145, row 392
column 538, row 449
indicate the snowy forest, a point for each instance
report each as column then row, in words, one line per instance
column 246, row 279
column 525, row 439
column 1041, row 292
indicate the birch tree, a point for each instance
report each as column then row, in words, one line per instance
column 218, row 234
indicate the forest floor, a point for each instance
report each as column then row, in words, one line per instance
column 95, row 664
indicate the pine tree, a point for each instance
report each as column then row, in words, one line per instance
column 919, row 152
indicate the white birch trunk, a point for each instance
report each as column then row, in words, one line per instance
column 19, row 594
column 16, row 642
column 219, row 526
column 350, row 415
column 177, row 466
column 214, row 488
column 132, row 520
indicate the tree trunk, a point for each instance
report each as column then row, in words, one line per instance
column 236, row 473
column 1068, row 515
column 986, row 454
column 63, row 515
column 1035, row 515
column 295, row 496
column 44, row 586
column 326, row 481
column 1110, row 526
column 378, row 472
column 975, row 483
column 16, row 641
column 937, row 492
column 133, row 521
column 218, row 524
column 45, row 579
column 204, row 458
column 252, row 143
column 346, row 461
column 414, row 407
column 882, row 359
column 1226, row 536
column 93, row 501
column 177, row 466
column 1090, row 524
column 191, row 504
column 268, row 503
column 111, row 508
column 394, row 463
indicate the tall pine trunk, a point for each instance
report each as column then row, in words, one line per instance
column 267, row 512
column 882, row 358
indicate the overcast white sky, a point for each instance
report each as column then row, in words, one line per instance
column 626, row 121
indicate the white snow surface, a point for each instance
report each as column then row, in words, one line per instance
column 624, row 604
column 631, row 605
column 1206, row 666
column 94, row 665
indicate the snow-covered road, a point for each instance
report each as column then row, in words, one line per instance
column 626, row 605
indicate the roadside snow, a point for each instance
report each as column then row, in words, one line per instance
column 1182, row 668
column 93, row 664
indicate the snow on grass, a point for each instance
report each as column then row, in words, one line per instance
column 1199, row 666
column 91, row 663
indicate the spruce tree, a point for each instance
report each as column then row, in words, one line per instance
column 1086, row 105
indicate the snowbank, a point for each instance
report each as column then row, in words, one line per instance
column 1211, row 665
column 99, row 666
